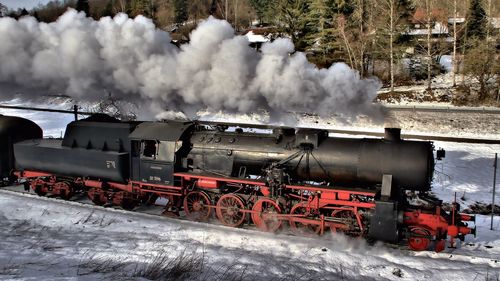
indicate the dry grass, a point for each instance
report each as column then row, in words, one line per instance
column 164, row 267
column 186, row 265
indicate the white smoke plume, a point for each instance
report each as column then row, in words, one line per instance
column 130, row 58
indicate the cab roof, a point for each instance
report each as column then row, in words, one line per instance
column 162, row 131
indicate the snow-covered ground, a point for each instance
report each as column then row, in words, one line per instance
column 48, row 239
column 468, row 171
column 441, row 81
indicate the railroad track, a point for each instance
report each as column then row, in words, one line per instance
column 422, row 108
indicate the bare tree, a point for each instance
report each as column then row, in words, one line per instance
column 236, row 14
column 481, row 64
column 454, row 57
column 428, row 10
column 115, row 107
column 490, row 18
column 355, row 32
column 391, row 19
column 226, row 9
column 391, row 40
column 364, row 37
column 350, row 52
column 121, row 6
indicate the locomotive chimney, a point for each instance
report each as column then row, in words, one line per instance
column 285, row 131
column 392, row 134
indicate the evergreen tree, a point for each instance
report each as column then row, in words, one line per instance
column 128, row 7
column 135, row 8
column 181, row 11
column 476, row 20
column 24, row 13
column 344, row 7
column 294, row 20
column 261, row 8
column 327, row 22
column 141, row 7
column 322, row 29
column 83, row 6
column 213, row 7
column 108, row 10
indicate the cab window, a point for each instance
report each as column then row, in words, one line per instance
column 149, row 149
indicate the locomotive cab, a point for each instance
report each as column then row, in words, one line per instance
column 154, row 150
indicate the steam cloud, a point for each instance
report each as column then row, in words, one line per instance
column 133, row 60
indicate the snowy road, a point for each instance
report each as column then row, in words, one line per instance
column 48, row 239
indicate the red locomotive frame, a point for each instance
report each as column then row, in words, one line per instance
column 309, row 209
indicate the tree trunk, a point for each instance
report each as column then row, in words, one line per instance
column 490, row 18
column 362, row 32
column 226, row 10
column 391, row 38
column 482, row 89
column 429, row 44
column 236, row 15
column 454, row 60
column 123, row 6
column 429, row 54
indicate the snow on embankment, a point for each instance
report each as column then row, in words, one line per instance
column 45, row 238
column 467, row 170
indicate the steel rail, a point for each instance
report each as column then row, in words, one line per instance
column 46, row 109
column 420, row 108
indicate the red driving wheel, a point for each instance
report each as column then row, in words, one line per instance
column 303, row 228
column 197, row 206
column 265, row 215
column 63, row 190
column 348, row 218
column 419, row 239
column 229, row 210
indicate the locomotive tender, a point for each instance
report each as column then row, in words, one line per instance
column 300, row 177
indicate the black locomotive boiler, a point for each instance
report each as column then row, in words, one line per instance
column 300, row 177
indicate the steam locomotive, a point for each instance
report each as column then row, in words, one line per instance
column 373, row 188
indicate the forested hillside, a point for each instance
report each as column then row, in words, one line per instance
column 400, row 41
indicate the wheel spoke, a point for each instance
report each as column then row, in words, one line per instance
column 229, row 210
column 265, row 217
column 197, row 206
column 303, row 228
column 348, row 218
